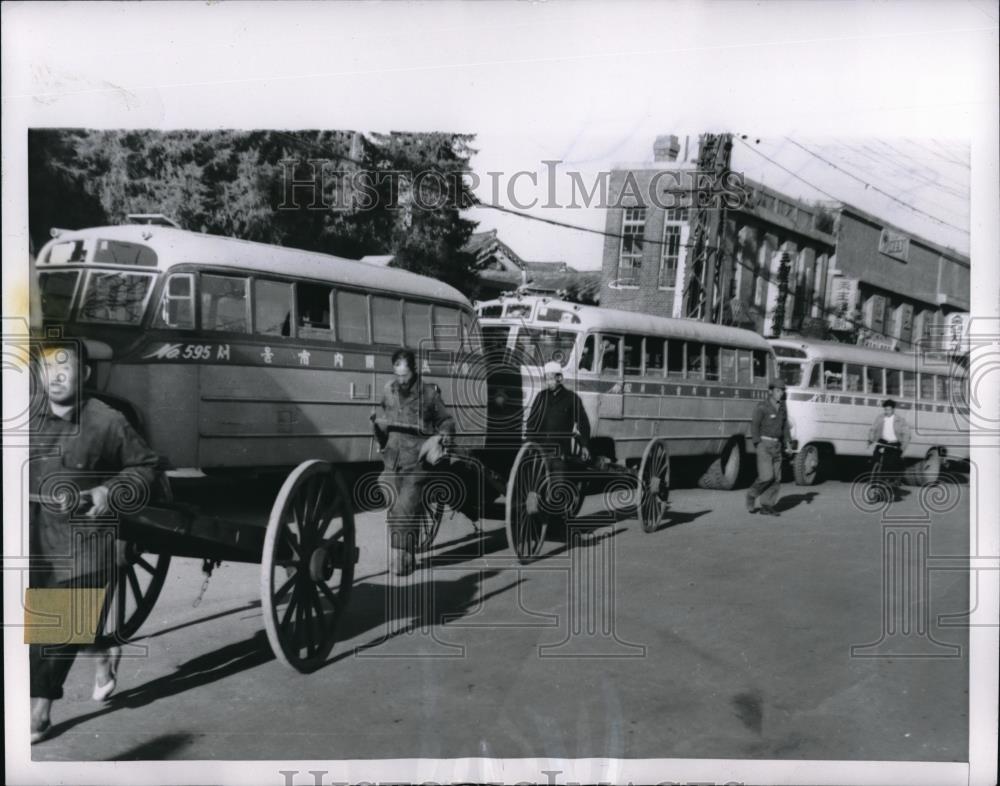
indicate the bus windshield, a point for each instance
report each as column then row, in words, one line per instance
column 57, row 289
column 115, row 296
column 790, row 372
column 540, row 345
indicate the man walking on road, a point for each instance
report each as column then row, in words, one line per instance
column 412, row 413
column 771, row 436
column 80, row 443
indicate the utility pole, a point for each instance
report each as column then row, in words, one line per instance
column 704, row 292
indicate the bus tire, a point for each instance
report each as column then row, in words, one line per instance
column 929, row 470
column 724, row 473
column 807, row 465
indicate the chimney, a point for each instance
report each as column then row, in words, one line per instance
column 666, row 148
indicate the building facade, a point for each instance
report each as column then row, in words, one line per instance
column 787, row 267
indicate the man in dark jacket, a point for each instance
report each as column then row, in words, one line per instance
column 771, row 436
column 412, row 411
column 557, row 415
column 82, row 451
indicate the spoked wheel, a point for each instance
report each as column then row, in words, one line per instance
column 138, row 579
column 430, row 522
column 307, row 567
column 877, row 490
column 654, row 484
column 527, row 518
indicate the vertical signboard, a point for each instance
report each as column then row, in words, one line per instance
column 843, row 302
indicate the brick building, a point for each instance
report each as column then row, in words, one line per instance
column 849, row 275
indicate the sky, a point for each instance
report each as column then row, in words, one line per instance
column 876, row 174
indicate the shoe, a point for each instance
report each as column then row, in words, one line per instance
column 41, row 725
column 751, row 504
column 40, row 732
column 402, row 562
column 768, row 510
column 108, row 664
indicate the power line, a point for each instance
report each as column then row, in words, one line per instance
column 789, row 171
column 761, row 272
column 876, row 188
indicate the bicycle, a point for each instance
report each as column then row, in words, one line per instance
column 880, row 485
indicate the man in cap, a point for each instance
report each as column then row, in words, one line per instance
column 557, row 415
column 771, row 436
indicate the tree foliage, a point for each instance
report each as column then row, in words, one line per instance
column 300, row 189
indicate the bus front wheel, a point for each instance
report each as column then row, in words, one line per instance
column 806, row 465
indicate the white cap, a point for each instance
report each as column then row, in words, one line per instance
column 552, row 367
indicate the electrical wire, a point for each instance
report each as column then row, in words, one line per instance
column 914, row 208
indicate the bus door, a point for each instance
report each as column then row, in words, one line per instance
column 611, row 398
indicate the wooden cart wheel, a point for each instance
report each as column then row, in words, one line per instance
column 430, row 522
column 138, row 580
column 654, row 484
column 526, row 517
column 307, row 567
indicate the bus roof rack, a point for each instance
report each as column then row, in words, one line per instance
column 153, row 219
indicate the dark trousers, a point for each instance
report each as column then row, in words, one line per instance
column 415, row 488
column 49, row 664
column 892, row 459
column 768, row 482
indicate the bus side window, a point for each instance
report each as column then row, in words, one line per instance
column 695, row 363
column 633, row 355
column 759, row 364
column 892, row 382
column 387, row 320
column 675, row 359
column 445, row 327
column 610, row 355
column 874, row 381
column 833, row 375
column 743, row 366
column 654, row 356
column 416, row 323
column 472, row 340
column 272, row 308
column 352, row 317
column 224, row 303
column 712, row 362
column 926, row 387
column 815, row 375
column 943, row 388
column 177, row 304
column 587, row 355
column 854, row 378
column 727, row 365
column 909, row 385
column 313, row 309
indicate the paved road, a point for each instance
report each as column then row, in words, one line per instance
column 724, row 635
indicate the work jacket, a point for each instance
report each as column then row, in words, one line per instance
column 770, row 420
column 94, row 445
column 899, row 425
column 555, row 416
column 410, row 414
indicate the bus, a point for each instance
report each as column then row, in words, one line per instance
column 232, row 355
column 836, row 390
column 693, row 384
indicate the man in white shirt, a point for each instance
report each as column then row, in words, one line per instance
column 890, row 432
